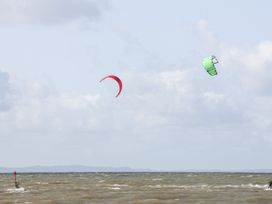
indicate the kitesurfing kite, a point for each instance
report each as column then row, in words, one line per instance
column 117, row 80
column 209, row 65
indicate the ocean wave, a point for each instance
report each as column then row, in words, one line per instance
column 114, row 188
column 42, row 183
column 178, row 186
column 250, row 185
column 247, row 176
column 157, row 179
column 206, row 186
column 120, row 185
column 191, row 175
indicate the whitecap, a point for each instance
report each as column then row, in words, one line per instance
column 250, row 185
column 157, row 179
column 115, row 188
column 42, row 183
column 15, row 190
column 119, row 185
column 154, row 186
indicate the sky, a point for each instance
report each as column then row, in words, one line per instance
column 171, row 115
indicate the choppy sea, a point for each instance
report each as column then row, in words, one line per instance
column 137, row 188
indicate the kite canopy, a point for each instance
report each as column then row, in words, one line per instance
column 117, row 80
column 209, row 65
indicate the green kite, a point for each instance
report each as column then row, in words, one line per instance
column 209, row 64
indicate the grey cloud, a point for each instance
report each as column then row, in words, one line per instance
column 5, row 92
column 49, row 11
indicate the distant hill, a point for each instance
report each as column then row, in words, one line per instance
column 81, row 168
column 68, row 168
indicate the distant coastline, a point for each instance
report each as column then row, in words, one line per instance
column 90, row 169
column 68, row 168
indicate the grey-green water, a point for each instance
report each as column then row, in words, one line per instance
column 136, row 188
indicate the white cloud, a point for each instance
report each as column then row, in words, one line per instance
column 250, row 67
column 213, row 99
column 6, row 92
column 37, row 108
column 177, row 81
column 49, row 11
column 210, row 41
column 165, row 105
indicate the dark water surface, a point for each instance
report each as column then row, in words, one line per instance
column 136, row 188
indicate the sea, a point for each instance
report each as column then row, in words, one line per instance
column 137, row 188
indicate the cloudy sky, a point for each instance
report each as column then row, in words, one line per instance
column 171, row 114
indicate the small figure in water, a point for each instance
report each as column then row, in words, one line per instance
column 15, row 181
column 270, row 184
